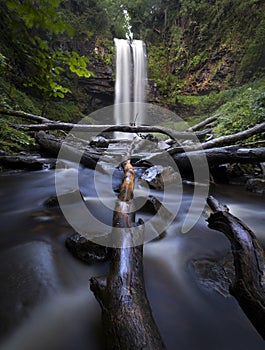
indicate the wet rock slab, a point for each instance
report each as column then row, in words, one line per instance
column 215, row 274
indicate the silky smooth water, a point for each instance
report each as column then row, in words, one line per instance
column 130, row 83
column 45, row 298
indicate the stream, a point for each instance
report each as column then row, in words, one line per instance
column 45, row 298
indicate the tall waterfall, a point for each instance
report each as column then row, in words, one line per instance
column 130, row 83
column 140, row 77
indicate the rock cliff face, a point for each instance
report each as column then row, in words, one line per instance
column 98, row 90
column 100, row 87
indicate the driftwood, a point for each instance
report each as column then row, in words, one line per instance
column 249, row 260
column 126, row 313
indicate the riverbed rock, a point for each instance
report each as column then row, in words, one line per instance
column 256, row 185
column 157, row 176
column 65, row 198
column 26, row 162
column 87, row 251
column 215, row 273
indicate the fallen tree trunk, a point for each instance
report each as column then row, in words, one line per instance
column 221, row 141
column 126, row 313
column 215, row 156
column 175, row 135
column 232, row 139
column 53, row 146
column 249, row 260
column 24, row 115
column 203, row 123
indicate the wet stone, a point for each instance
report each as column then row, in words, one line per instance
column 157, row 176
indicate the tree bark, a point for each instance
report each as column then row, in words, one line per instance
column 249, row 261
column 126, row 313
column 232, row 139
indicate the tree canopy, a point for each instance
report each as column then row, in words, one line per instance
column 29, row 30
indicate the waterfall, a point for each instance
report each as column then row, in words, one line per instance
column 130, row 82
column 140, row 77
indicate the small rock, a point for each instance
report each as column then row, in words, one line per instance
column 99, row 141
column 65, row 198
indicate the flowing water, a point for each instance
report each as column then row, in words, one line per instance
column 45, row 298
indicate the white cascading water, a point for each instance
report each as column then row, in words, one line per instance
column 130, row 72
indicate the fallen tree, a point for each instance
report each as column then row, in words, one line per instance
column 53, row 145
column 126, row 313
column 133, row 129
column 214, row 156
column 175, row 135
column 24, row 115
column 249, row 260
column 204, row 123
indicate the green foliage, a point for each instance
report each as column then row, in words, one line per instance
column 65, row 111
column 39, row 14
column 207, row 45
column 32, row 27
column 245, row 111
column 13, row 140
column 78, row 65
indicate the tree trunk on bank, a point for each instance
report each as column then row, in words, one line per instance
column 249, row 260
column 126, row 313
